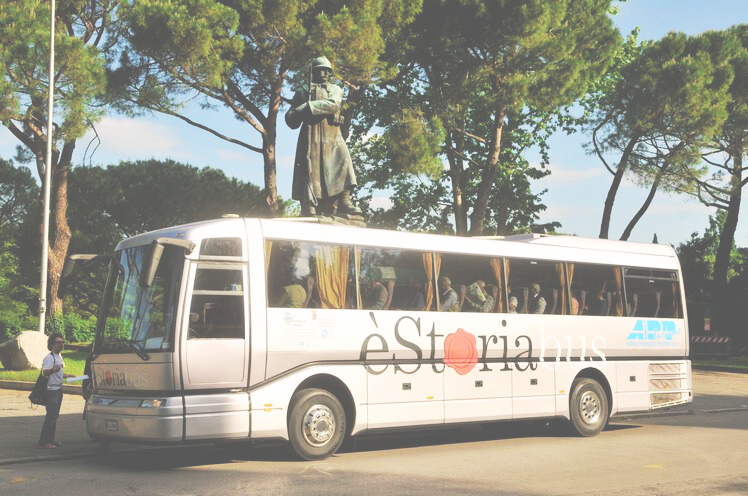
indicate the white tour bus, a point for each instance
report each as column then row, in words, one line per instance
column 309, row 332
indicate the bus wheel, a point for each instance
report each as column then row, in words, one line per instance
column 588, row 407
column 316, row 426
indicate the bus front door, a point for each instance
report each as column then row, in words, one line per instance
column 216, row 352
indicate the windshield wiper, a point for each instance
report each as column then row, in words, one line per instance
column 136, row 347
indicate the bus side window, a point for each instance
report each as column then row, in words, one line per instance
column 595, row 289
column 476, row 280
column 217, row 307
column 537, row 285
column 394, row 279
column 652, row 293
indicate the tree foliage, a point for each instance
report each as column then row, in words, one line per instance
column 480, row 68
column 725, row 153
column 79, row 82
column 655, row 110
column 242, row 55
column 109, row 204
column 697, row 257
column 18, row 195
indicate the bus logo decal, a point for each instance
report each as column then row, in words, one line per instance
column 653, row 333
column 460, row 352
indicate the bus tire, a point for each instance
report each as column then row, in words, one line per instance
column 588, row 407
column 316, row 425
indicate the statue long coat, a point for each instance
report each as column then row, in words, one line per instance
column 323, row 167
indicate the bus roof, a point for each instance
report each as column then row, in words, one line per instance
column 558, row 247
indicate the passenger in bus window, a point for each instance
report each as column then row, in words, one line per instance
column 377, row 295
column 417, row 300
column 450, row 301
column 600, row 304
column 574, row 305
column 537, row 302
column 478, row 298
column 295, row 295
column 512, row 304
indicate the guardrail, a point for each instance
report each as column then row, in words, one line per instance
column 710, row 347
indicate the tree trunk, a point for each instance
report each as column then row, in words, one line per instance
column 270, row 173
column 720, row 292
column 456, row 174
column 488, row 175
column 59, row 230
column 617, row 178
column 647, row 202
column 268, row 151
column 502, row 212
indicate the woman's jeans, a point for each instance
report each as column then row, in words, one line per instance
column 54, row 401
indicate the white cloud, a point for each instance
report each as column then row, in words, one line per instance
column 680, row 207
column 561, row 174
column 137, row 138
column 381, row 202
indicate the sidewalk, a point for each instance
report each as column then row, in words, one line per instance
column 20, row 425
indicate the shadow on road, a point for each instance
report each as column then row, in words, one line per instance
column 274, row 452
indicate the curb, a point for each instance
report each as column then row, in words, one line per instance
column 97, row 453
column 28, row 386
column 676, row 413
column 125, row 449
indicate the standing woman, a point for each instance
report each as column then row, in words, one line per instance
column 52, row 369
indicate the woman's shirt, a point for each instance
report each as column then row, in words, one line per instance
column 54, row 380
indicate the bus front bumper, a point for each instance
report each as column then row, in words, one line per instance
column 135, row 419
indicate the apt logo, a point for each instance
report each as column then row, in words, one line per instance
column 653, row 333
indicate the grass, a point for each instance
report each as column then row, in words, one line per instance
column 734, row 363
column 75, row 362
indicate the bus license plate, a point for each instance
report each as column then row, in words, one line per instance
column 111, row 425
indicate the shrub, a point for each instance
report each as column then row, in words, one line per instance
column 75, row 328
column 10, row 326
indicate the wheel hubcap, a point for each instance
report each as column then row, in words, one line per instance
column 319, row 425
column 589, row 406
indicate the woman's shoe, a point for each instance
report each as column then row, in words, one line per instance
column 47, row 446
column 57, row 444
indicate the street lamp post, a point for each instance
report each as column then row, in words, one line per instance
column 47, row 174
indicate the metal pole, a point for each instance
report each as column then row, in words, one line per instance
column 47, row 174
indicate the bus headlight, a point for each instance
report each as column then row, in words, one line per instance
column 152, row 403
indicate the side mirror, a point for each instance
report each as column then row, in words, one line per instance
column 153, row 257
column 85, row 260
column 150, row 264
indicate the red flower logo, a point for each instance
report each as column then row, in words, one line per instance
column 460, row 352
column 108, row 377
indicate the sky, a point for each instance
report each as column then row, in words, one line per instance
column 576, row 187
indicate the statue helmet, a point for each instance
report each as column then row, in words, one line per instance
column 321, row 62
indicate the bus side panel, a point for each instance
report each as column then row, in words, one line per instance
column 485, row 393
column 217, row 416
column 270, row 402
column 398, row 399
column 632, row 393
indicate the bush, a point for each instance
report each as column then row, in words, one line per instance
column 10, row 326
column 73, row 327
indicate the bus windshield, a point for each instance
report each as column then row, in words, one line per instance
column 135, row 318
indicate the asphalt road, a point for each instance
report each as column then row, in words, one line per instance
column 676, row 455
column 700, row 449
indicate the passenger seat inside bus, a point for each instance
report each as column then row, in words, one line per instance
column 581, row 297
column 551, row 300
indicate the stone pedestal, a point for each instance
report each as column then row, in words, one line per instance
column 25, row 351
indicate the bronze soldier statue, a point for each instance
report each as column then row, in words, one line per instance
column 323, row 174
